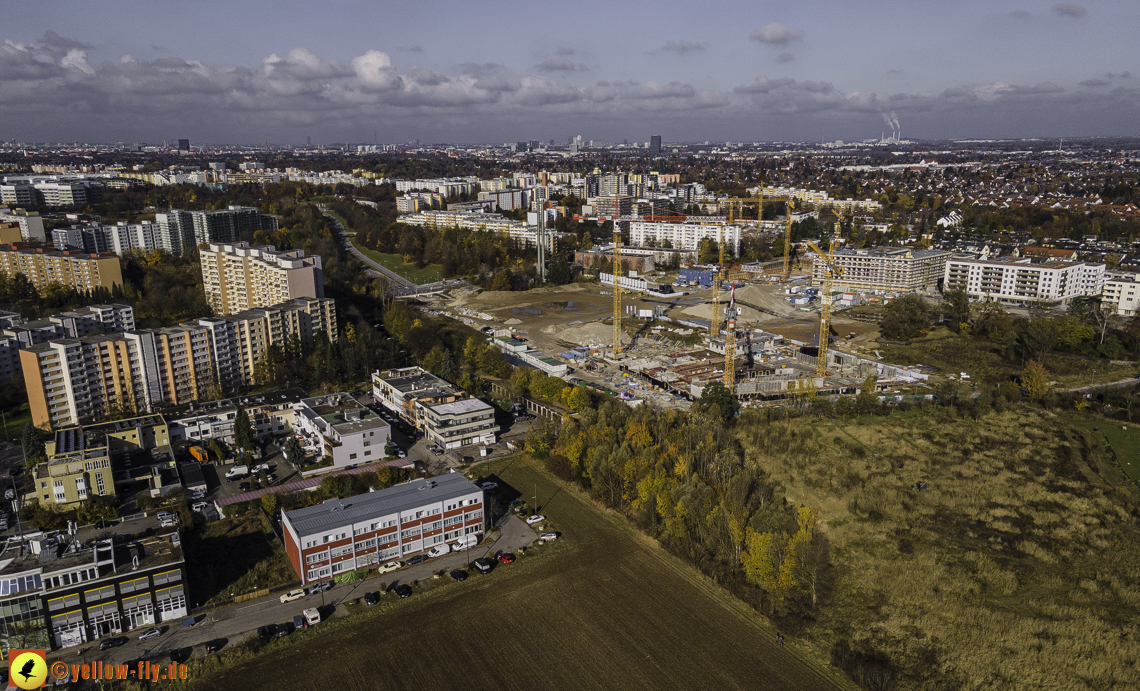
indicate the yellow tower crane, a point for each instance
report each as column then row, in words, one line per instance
column 714, row 319
column 788, row 240
column 831, row 271
column 617, row 289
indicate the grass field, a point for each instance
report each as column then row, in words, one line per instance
column 394, row 262
column 15, row 420
column 605, row 609
column 235, row 556
column 1018, row 567
column 984, row 360
column 1122, row 437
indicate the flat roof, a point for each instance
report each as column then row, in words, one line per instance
column 334, row 513
column 467, row 405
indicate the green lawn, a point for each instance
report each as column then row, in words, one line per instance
column 394, row 262
column 1123, row 437
column 15, row 418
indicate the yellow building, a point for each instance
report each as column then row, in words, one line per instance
column 72, row 269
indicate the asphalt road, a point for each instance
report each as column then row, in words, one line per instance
column 239, row 622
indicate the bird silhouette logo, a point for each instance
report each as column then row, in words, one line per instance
column 29, row 668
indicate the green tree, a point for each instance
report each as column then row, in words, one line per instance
column 1035, row 379
column 269, row 504
column 958, row 308
column 502, row 281
column 294, row 452
column 905, row 317
column 33, row 442
column 708, row 251
column 717, row 401
column 95, row 509
column 559, row 272
column 243, row 432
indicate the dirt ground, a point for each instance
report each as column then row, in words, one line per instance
column 609, row 611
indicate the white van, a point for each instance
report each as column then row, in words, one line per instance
column 464, row 542
column 312, row 616
column 237, row 471
column 439, row 550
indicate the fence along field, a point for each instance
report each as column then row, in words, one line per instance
column 610, row 611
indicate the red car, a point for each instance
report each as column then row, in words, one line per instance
column 506, row 557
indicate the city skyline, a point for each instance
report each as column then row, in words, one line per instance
column 288, row 71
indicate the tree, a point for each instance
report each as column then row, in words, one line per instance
column 1035, row 379
column 559, row 272
column 717, row 401
column 33, row 442
column 905, row 317
column 958, row 308
column 294, row 453
column 243, row 432
column 269, row 504
column 502, row 281
column 95, row 509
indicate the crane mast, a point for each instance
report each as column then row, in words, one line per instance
column 730, row 344
column 617, row 289
column 830, row 271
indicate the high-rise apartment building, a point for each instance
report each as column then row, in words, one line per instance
column 895, row 269
column 238, row 277
column 75, row 380
column 683, row 236
column 72, row 269
column 101, row 239
column 179, row 231
column 655, row 144
column 1018, row 281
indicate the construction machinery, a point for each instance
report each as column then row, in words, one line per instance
column 617, row 290
column 730, row 344
column 831, row 271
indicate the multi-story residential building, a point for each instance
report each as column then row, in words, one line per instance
column 1123, row 294
column 118, row 239
column 58, row 591
column 19, row 193
column 270, row 415
column 418, row 201
column 342, row 535
column 74, row 380
column 892, row 269
column 612, row 205
column 445, row 414
column 684, row 236
column 31, row 223
column 1018, row 281
column 179, row 231
column 238, row 277
column 507, row 199
column 77, row 270
column 340, row 427
column 10, row 232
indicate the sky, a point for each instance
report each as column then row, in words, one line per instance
column 502, row 70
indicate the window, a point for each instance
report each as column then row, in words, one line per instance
column 167, row 577
column 63, row 602
column 98, row 594
column 131, row 586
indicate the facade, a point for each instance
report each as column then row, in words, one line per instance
column 442, row 412
column 1123, row 294
column 16, row 333
column 75, row 380
column 57, row 592
column 180, row 231
column 269, row 414
column 31, row 223
column 339, row 427
column 892, row 269
column 1019, row 281
column 342, row 535
column 612, row 205
column 100, row 239
column 84, row 272
column 460, row 423
column 507, row 199
column 238, row 277
column 684, row 236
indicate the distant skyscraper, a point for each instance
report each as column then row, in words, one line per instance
column 308, row 141
column 183, row 144
column 655, row 144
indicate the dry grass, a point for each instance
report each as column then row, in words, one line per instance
column 1018, row 568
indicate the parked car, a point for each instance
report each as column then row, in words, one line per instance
column 537, row 518
column 199, row 506
column 464, row 542
column 458, row 575
column 108, row 643
column 283, row 630
column 271, row 478
column 244, row 487
column 390, row 566
column 266, row 632
column 517, row 504
column 215, row 645
column 299, row 622
column 506, row 557
column 404, row 591
column 489, row 485
column 292, row 595
column 418, row 559
column 320, row 587
column 483, row 564
column 371, row 599
column 150, row 633
column 439, row 550
column 548, row 537
column 467, row 459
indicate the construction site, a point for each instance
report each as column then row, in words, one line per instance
column 664, row 340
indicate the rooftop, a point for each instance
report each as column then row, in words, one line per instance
column 334, row 513
column 467, row 405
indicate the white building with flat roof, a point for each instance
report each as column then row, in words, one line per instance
column 1018, row 281
column 683, row 236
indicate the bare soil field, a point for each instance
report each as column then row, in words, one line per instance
column 608, row 610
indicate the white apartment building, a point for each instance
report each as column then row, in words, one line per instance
column 237, row 277
column 1123, row 293
column 892, row 269
column 445, row 414
column 101, row 239
column 339, row 427
column 684, row 236
column 1018, row 281
column 31, row 224
column 460, row 423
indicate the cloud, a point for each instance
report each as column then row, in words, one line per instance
column 536, row 90
column 763, row 85
column 375, row 71
column 784, row 58
column 479, row 69
column 563, row 50
column 682, row 47
column 412, row 49
column 1121, row 75
column 302, row 64
column 561, row 65
column 1069, row 9
column 776, row 34
column 1095, row 82
column 159, row 49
